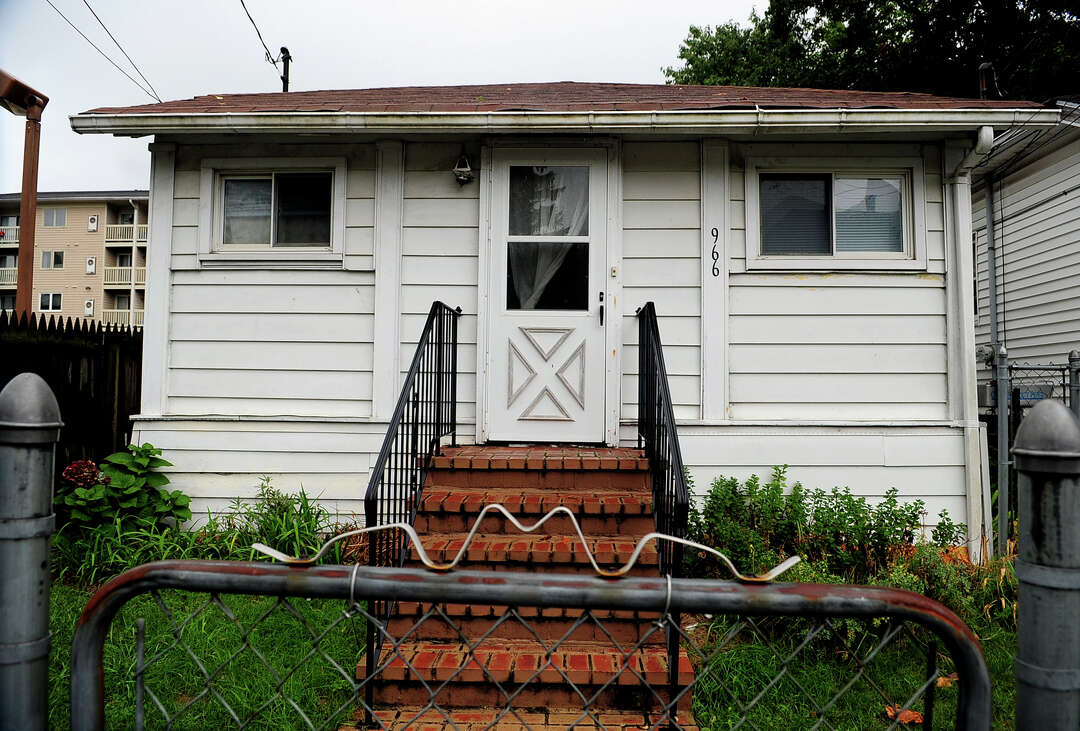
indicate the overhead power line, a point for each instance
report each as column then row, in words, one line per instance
column 269, row 56
column 105, row 55
column 133, row 65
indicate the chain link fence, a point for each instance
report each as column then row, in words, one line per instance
column 249, row 645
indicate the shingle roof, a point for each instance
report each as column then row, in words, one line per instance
column 81, row 195
column 562, row 96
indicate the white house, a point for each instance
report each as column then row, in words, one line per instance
column 809, row 254
column 1034, row 178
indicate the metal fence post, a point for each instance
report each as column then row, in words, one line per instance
column 1001, row 402
column 29, row 430
column 1074, row 382
column 1047, row 665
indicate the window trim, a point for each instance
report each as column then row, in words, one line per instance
column 212, row 253
column 913, row 199
column 53, row 296
column 53, row 209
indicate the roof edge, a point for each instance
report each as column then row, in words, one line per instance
column 735, row 121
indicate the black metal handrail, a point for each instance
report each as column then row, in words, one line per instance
column 425, row 413
column 658, row 437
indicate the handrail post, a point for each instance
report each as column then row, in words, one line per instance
column 1074, row 382
column 1001, row 403
column 29, row 430
column 454, row 375
column 440, row 354
column 1047, row 665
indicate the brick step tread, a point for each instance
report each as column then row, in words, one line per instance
column 558, row 524
column 479, row 611
column 549, row 627
column 535, row 501
column 524, row 661
column 535, row 548
column 476, row 719
column 539, row 457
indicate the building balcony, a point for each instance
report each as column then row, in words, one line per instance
column 121, row 276
column 122, row 317
column 8, row 276
column 123, row 233
column 9, row 235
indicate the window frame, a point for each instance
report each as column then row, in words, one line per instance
column 214, row 253
column 913, row 202
column 54, row 297
column 53, row 210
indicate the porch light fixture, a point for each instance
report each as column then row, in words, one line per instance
column 462, row 170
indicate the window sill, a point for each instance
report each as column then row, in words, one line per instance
column 269, row 259
column 833, row 264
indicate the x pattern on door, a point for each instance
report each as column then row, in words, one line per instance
column 544, row 353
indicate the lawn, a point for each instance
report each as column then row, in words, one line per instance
column 246, row 683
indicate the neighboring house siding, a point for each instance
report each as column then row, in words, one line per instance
column 1037, row 228
column 77, row 243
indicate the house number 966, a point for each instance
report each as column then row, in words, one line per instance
column 715, row 254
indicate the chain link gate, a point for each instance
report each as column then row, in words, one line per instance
column 864, row 633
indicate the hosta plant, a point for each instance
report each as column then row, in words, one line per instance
column 126, row 486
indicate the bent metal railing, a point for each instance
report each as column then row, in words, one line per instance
column 425, row 413
column 658, row 436
column 757, row 655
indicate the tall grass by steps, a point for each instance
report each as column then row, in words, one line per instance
column 295, row 524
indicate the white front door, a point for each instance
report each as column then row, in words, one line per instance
column 546, row 338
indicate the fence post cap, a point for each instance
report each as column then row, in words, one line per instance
column 29, row 413
column 1048, row 440
column 1074, row 355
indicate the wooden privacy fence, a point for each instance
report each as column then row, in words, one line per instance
column 95, row 371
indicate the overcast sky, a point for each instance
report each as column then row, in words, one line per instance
column 191, row 47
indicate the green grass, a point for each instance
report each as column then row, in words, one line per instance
column 245, row 682
column 744, row 669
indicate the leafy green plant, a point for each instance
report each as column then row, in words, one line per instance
column 757, row 524
column 127, row 486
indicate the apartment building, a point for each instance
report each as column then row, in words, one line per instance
column 89, row 254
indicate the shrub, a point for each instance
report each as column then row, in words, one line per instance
column 126, row 486
column 757, row 525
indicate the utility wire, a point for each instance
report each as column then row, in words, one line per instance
column 269, row 56
column 107, row 58
column 141, row 74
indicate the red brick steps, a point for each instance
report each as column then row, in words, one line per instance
column 537, row 552
column 421, row 719
column 608, row 492
column 523, row 669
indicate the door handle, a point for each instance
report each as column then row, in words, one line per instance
column 601, row 309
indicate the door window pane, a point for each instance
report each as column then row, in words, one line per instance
column 547, row 276
column 123, row 260
column 868, row 214
column 247, row 211
column 549, row 201
column 795, row 215
column 303, row 209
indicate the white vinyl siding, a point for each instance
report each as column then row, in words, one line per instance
column 439, row 244
column 1038, row 259
column 662, row 263
column 839, row 346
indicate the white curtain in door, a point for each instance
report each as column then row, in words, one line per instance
column 558, row 205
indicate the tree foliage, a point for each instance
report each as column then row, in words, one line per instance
column 932, row 46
